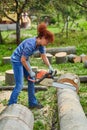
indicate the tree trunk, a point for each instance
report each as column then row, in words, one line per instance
column 18, row 32
column 0, row 37
column 67, row 19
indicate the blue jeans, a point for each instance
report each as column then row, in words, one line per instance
column 19, row 73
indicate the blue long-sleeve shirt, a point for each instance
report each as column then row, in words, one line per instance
column 26, row 48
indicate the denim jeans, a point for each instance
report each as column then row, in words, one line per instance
column 19, row 73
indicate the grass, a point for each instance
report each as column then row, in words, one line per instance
column 48, row 98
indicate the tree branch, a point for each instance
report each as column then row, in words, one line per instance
column 9, row 17
column 84, row 6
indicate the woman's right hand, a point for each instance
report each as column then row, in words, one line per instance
column 32, row 74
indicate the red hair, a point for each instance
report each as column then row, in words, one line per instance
column 43, row 32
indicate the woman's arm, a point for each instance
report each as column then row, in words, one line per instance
column 45, row 59
column 23, row 61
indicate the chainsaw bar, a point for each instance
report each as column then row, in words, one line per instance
column 63, row 86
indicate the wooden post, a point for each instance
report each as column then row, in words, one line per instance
column 71, row 114
column 16, row 117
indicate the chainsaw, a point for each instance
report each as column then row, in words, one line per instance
column 41, row 75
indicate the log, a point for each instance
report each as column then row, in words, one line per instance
column 61, row 57
column 71, row 114
column 37, row 88
column 6, row 60
column 49, row 56
column 71, row 79
column 9, row 77
column 83, row 58
column 71, row 57
column 68, row 50
column 83, row 79
column 77, row 59
column 53, row 51
column 16, row 117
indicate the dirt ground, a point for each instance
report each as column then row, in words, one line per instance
column 4, row 95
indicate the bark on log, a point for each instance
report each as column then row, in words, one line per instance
column 49, row 56
column 68, row 50
column 16, row 117
column 61, row 57
column 71, row 58
column 83, row 79
column 6, row 60
column 53, row 51
column 71, row 114
column 9, row 77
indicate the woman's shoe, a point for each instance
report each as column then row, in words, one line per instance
column 39, row 106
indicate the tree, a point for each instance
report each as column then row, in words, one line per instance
column 17, row 7
column 38, row 8
column 68, row 10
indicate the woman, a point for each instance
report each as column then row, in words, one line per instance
column 21, row 65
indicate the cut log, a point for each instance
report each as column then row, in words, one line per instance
column 83, row 79
column 71, row 57
column 16, row 117
column 9, row 77
column 49, row 56
column 77, row 59
column 84, row 58
column 71, row 79
column 6, row 60
column 71, row 114
column 61, row 57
